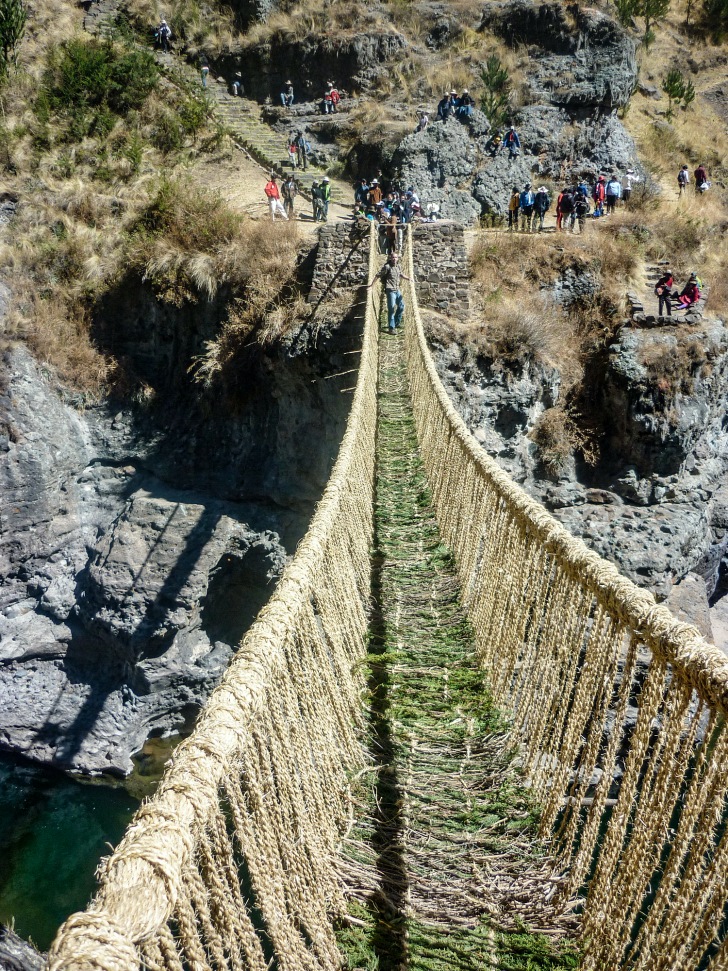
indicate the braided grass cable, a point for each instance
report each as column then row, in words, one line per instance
column 612, row 698
column 150, row 878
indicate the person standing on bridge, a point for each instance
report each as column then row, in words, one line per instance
column 391, row 274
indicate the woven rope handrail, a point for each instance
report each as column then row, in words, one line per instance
column 621, row 709
column 222, row 799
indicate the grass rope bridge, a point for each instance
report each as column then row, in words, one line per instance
column 288, row 829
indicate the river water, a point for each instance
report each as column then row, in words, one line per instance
column 54, row 830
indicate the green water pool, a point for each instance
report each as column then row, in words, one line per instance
column 53, row 832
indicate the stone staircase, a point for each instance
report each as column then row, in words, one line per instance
column 240, row 116
column 269, row 148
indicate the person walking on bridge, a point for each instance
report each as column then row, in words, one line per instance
column 391, row 274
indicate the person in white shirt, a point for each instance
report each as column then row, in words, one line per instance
column 628, row 181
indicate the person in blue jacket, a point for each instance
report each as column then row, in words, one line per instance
column 527, row 201
column 512, row 143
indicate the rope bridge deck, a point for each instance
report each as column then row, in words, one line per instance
column 235, row 862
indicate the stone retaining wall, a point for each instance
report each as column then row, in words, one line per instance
column 441, row 264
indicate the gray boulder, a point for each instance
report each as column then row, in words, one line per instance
column 440, row 163
column 581, row 59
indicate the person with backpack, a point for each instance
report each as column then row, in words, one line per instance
column 566, row 209
column 495, row 144
column 526, row 203
column 391, row 275
column 164, row 33
column 513, row 206
column 581, row 210
column 683, row 180
column 204, row 69
column 701, row 178
column 541, row 205
column 316, row 201
column 289, row 190
column 287, row 94
column 598, row 195
column 325, row 193
column 274, row 198
column 663, row 292
column 612, row 193
column 512, row 143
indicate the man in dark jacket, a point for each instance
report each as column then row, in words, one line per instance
column 541, row 205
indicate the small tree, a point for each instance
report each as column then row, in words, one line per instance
column 12, row 27
column 653, row 11
column 678, row 90
column 495, row 100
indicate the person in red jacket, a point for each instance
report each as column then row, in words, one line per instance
column 598, row 195
column 690, row 294
column 274, row 198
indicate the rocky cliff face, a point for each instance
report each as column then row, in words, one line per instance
column 138, row 545
column 582, row 68
column 656, row 502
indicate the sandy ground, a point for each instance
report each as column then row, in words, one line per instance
column 241, row 181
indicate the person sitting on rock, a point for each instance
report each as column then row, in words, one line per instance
column 541, row 205
column 512, row 143
column 663, row 292
column 444, row 108
column 526, row 203
column 690, row 293
column 287, row 94
column 514, row 205
column 465, row 104
column 423, row 121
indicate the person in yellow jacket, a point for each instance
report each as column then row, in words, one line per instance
column 513, row 207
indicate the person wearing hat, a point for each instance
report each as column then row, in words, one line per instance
column 541, row 205
column 391, row 276
column 325, row 191
column 512, row 143
column 630, row 177
column 690, row 293
column 274, row 198
column 375, row 193
column 164, row 33
column 465, row 104
column 287, row 94
column 663, row 292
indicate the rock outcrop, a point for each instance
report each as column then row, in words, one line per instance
column 656, row 502
column 582, row 68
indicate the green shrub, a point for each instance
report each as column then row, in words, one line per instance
column 12, row 27
column 90, row 82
